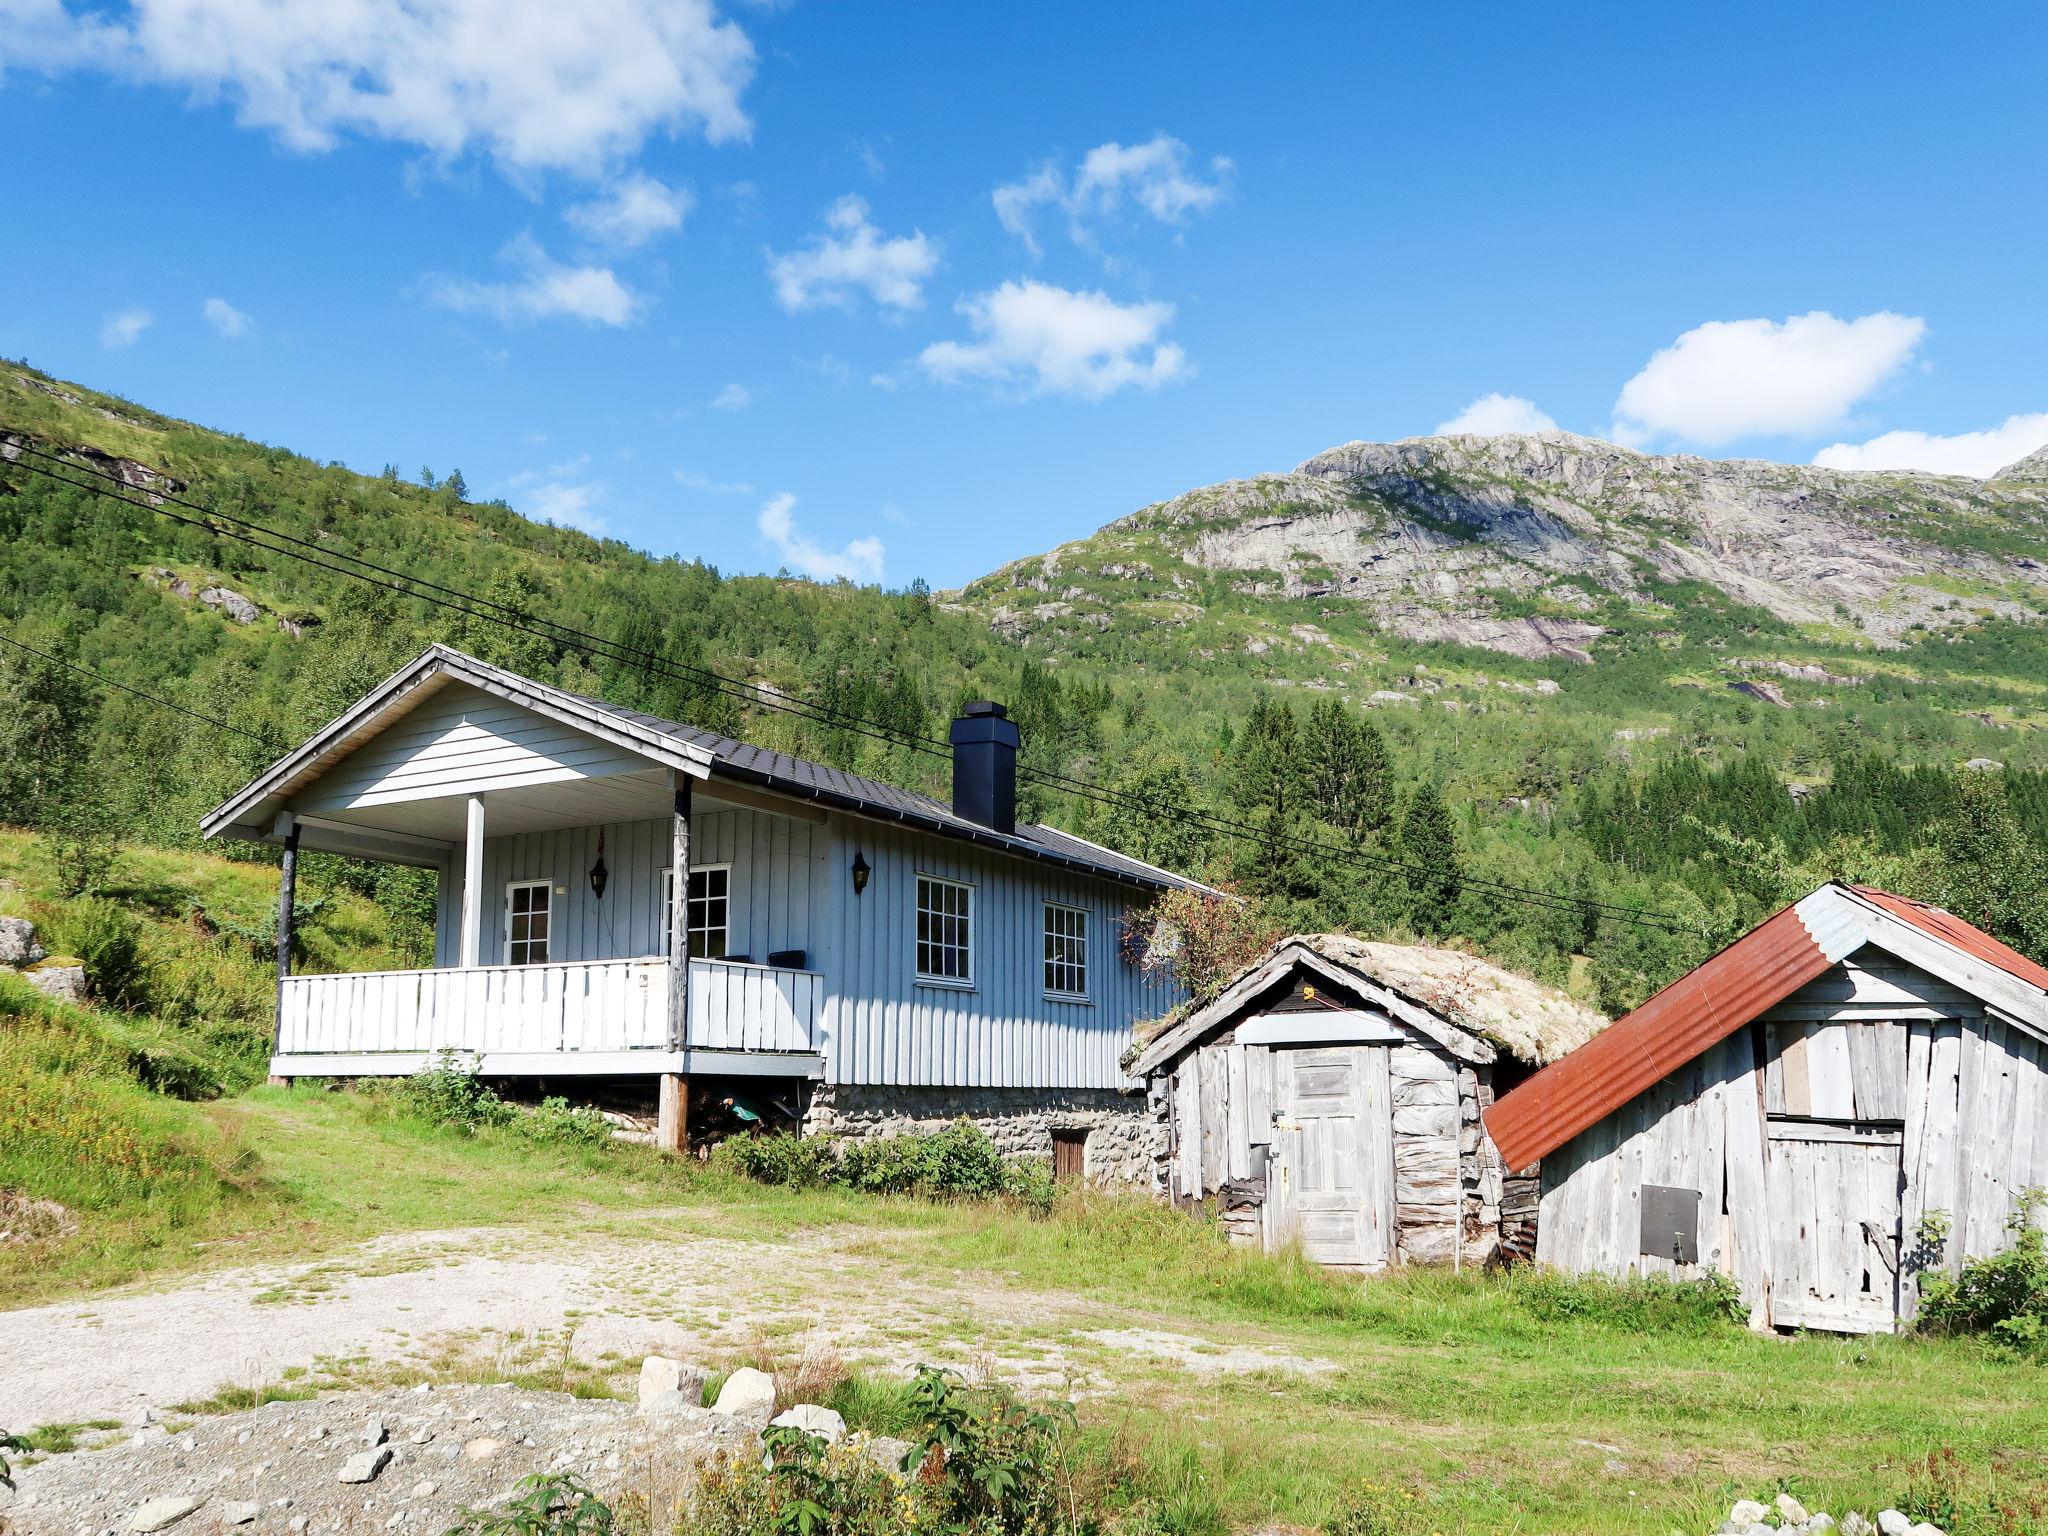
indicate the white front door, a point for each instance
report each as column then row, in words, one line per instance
column 1332, row 1182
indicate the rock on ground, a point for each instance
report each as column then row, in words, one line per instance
column 823, row 1423
column 287, row 1459
column 18, row 945
column 747, row 1394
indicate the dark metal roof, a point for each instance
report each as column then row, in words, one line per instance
column 781, row 773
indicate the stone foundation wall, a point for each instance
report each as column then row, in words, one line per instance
column 1020, row 1121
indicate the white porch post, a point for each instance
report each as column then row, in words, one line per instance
column 673, row 1108
column 472, row 886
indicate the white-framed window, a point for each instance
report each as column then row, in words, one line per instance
column 1066, row 951
column 710, row 910
column 529, row 912
column 945, row 930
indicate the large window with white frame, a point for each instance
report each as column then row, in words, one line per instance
column 945, row 930
column 529, row 913
column 710, row 910
column 1066, row 951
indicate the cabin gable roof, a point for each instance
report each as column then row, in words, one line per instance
column 1295, row 957
column 1778, row 957
column 252, row 811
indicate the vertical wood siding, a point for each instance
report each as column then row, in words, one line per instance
column 462, row 741
column 775, row 904
column 792, row 889
column 1873, row 1052
column 883, row 1026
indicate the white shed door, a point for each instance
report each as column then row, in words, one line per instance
column 1334, row 1153
column 1835, row 1216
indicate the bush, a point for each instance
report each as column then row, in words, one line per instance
column 959, row 1162
column 107, row 939
column 2005, row 1295
column 549, row 1504
column 450, row 1094
column 980, row 1462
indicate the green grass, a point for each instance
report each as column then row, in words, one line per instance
column 1491, row 1399
column 56, row 1439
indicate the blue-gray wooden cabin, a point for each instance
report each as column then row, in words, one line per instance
column 839, row 930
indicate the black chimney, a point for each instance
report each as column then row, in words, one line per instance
column 985, row 766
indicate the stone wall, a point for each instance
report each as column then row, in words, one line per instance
column 1019, row 1120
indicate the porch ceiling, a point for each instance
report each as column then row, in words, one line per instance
column 643, row 796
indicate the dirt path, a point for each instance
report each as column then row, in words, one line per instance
column 489, row 1299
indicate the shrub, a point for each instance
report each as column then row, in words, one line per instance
column 2004, row 1295
column 549, row 1504
column 1374, row 1509
column 980, row 1462
column 107, row 939
column 958, row 1162
column 795, row 1162
column 449, row 1093
column 558, row 1123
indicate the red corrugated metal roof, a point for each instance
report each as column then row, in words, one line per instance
column 1701, row 1008
column 1951, row 929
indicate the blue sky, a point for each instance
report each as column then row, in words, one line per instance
column 912, row 290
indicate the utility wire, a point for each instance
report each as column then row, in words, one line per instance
column 604, row 649
column 147, row 698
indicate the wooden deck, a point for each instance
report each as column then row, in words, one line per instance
column 597, row 1017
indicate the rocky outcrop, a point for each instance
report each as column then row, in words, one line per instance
column 1515, row 543
column 2033, row 467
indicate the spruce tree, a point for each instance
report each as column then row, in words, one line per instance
column 1427, row 842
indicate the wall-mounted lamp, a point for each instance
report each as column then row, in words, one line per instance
column 599, row 875
column 860, row 873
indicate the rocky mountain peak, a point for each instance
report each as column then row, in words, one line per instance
column 1525, row 542
column 2033, row 467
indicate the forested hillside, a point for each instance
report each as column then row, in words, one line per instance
column 1710, row 758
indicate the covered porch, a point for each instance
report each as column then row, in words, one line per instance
column 566, row 840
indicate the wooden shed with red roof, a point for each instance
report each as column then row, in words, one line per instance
column 1788, row 1112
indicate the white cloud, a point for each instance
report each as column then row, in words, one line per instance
column 567, row 506
column 1493, row 414
column 1157, row 176
column 226, row 319
column 535, row 84
column 850, row 253
column 695, row 480
column 632, row 211
column 124, row 327
column 560, row 494
column 859, row 561
column 1982, row 454
column 545, row 290
column 1730, row 379
column 1049, row 340
column 734, row 397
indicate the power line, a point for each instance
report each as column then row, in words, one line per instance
column 147, row 698
column 600, row 648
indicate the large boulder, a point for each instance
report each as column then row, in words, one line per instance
column 18, row 946
column 230, row 602
column 747, row 1394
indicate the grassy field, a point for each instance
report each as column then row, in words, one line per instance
column 1525, row 1404
column 1501, row 1405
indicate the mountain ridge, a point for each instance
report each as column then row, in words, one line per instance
column 1517, row 542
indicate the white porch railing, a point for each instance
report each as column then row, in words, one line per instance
column 595, row 1005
